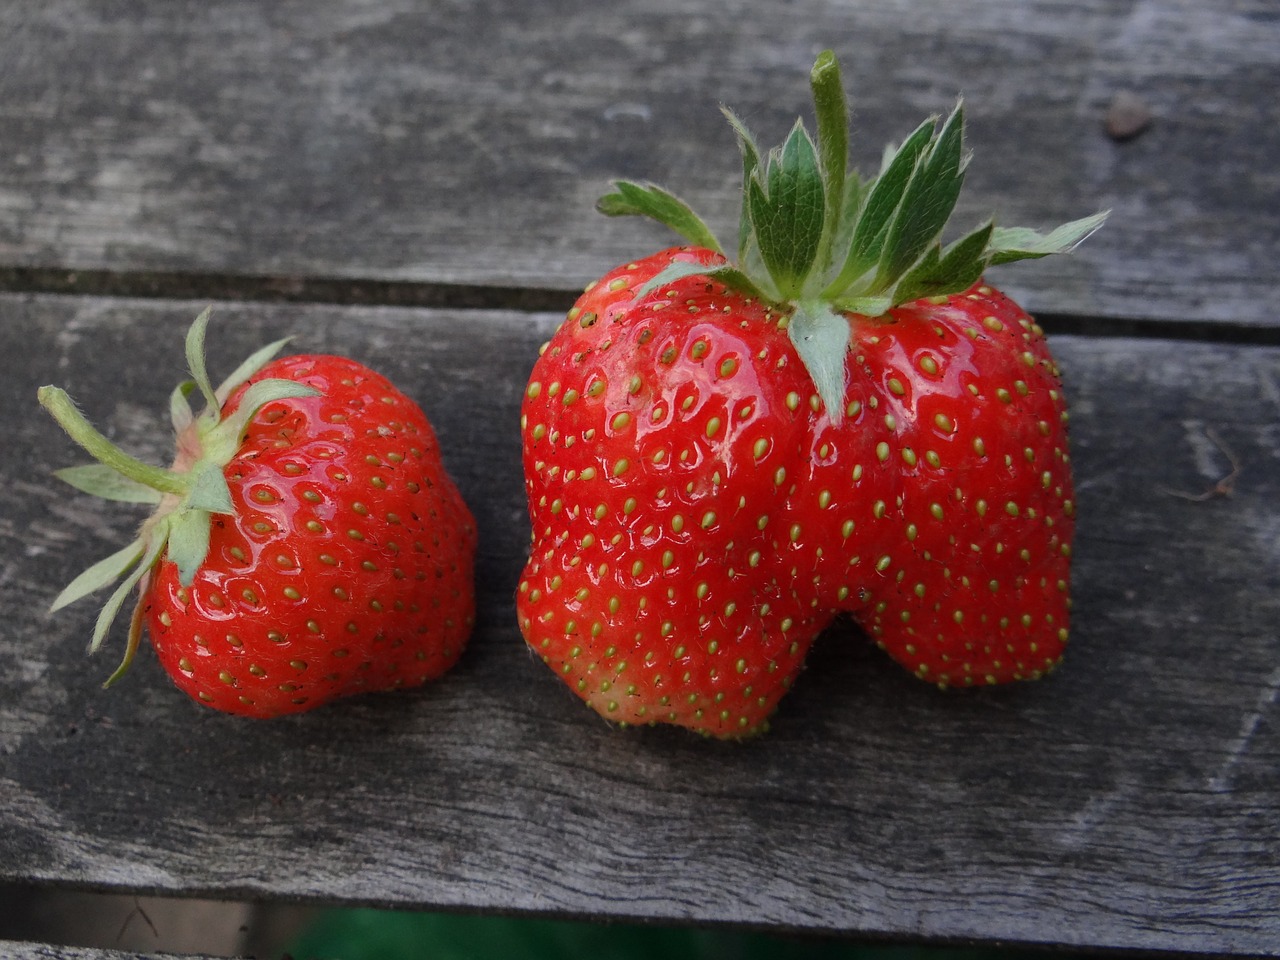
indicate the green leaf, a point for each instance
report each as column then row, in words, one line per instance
column 726, row 273
column 868, row 306
column 251, row 365
column 750, row 164
column 633, row 199
column 821, row 336
column 222, row 440
column 1009, row 244
column 62, row 409
column 103, row 573
column 940, row 273
column 180, row 413
column 107, row 615
column 102, row 481
column 195, row 357
column 209, row 490
column 787, row 211
column 927, row 202
column 883, row 198
column 133, row 642
column 188, row 542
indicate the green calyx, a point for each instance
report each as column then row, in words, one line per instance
column 818, row 239
column 185, row 496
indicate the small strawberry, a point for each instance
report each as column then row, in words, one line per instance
column 721, row 457
column 306, row 544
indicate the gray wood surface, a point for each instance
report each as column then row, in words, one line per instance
column 15, row 950
column 1131, row 800
column 465, row 143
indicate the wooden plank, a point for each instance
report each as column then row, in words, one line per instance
column 15, row 950
column 466, row 143
column 1131, row 800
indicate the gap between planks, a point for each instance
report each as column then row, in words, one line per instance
column 369, row 292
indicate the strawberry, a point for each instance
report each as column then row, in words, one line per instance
column 306, row 543
column 721, row 456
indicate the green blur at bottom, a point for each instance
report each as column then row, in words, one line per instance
column 385, row 935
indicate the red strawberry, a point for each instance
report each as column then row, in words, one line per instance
column 721, row 457
column 306, row 545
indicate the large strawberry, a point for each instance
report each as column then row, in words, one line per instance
column 721, row 456
column 306, row 543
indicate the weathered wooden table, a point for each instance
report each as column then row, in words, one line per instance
column 413, row 184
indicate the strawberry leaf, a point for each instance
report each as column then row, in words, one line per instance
column 724, row 272
column 102, row 481
column 109, row 611
column 180, row 413
column 821, row 336
column 648, row 200
column 868, row 306
column 251, row 365
column 60, row 406
column 195, row 358
column 750, row 164
column 188, row 542
column 926, row 203
column 787, row 209
column 103, row 573
column 883, row 198
column 209, row 490
column 133, row 642
column 221, row 440
column 938, row 273
column 1009, row 244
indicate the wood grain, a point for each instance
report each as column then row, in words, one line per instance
column 465, row 143
column 1129, row 801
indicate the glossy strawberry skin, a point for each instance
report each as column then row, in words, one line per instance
column 936, row 510
column 965, row 556
column 654, row 587
column 347, row 566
